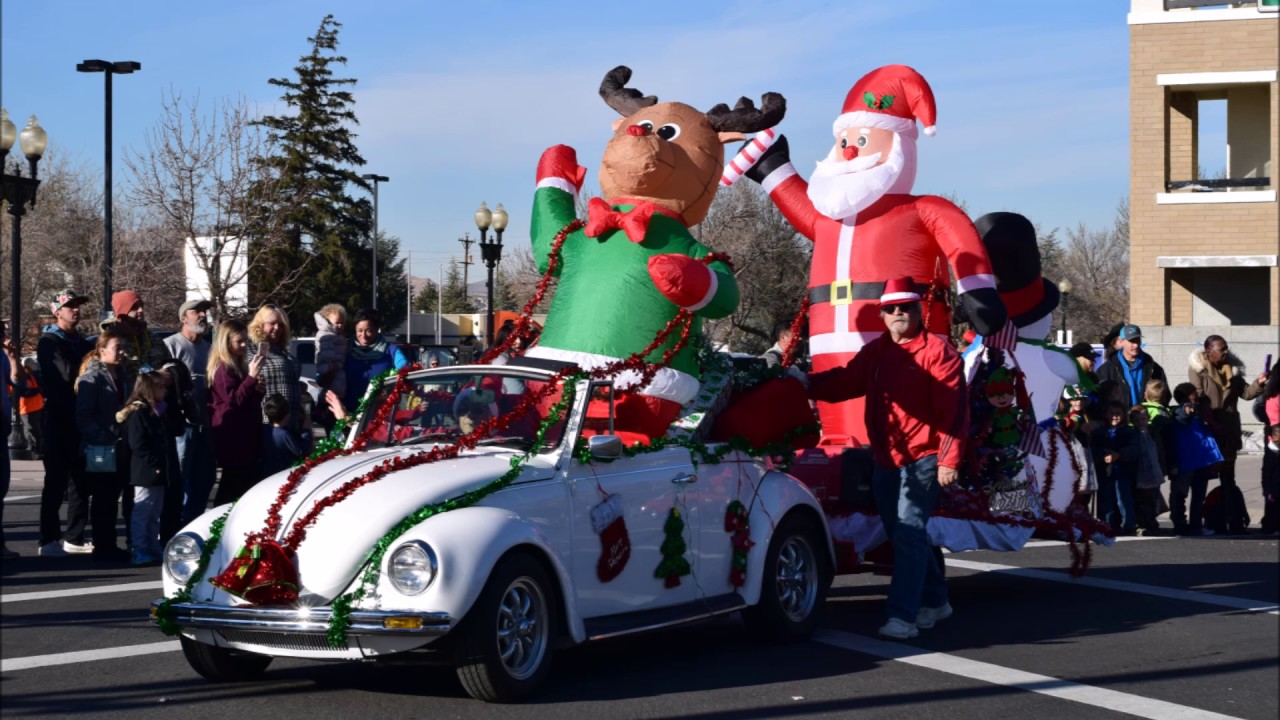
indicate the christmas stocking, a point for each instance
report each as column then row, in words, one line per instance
column 608, row 520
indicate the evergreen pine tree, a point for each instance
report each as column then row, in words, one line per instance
column 427, row 299
column 327, row 256
column 455, row 293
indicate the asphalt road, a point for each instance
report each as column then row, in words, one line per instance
column 1159, row 628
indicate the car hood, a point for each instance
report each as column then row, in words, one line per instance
column 336, row 545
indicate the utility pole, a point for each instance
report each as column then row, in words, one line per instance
column 466, row 263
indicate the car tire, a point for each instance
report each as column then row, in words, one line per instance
column 504, row 645
column 223, row 665
column 793, row 589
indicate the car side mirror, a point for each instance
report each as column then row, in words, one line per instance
column 605, row 447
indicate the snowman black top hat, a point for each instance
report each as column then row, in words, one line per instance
column 1011, row 244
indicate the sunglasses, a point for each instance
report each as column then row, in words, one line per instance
column 905, row 308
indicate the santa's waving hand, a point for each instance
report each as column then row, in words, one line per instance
column 866, row 228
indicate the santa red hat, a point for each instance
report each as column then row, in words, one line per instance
column 899, row 290
column 893, row 98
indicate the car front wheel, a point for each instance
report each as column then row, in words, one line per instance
column 794, row 585
column 223, row 665
column 505, row 643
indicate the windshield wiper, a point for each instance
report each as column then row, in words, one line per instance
column 518, row 441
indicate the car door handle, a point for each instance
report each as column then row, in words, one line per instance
column 686, row 479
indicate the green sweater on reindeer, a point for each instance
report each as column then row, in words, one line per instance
column 605, row 301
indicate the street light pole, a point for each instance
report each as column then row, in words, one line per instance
column 1065, row 287
column 491, row 254
column 375, row 179
column 107, row 69
column 20, row 193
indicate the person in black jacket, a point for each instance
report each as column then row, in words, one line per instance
column 1115, row 454
column 1123, row 377
column 154, row 465
column 59, row 352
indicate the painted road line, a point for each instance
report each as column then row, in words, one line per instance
column 37, row 661
column 1008, row 677
column 74, row 592
column 15, row 498
column 1259, row 606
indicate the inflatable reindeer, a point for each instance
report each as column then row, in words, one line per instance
column 625, row 275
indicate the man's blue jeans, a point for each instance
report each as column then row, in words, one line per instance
column 195, row 454
column 906, row 497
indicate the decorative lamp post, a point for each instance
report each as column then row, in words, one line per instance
column 375, row 179
column 108, row 69
column 20, row 193
column 1065, row 287
column 490, row 252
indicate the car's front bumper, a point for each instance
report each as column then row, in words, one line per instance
column 364, row 623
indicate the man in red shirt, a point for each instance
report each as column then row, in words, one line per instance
column 916, row 418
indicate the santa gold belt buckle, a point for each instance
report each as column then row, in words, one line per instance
column 842, row 292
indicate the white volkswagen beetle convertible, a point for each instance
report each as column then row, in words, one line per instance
column 583, row 540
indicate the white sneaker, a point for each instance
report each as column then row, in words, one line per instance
column 899, row 629
column 928, row 617
column 74, row 549
column 53, row 549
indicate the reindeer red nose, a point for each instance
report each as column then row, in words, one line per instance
column 850, row 152
column 637, row 130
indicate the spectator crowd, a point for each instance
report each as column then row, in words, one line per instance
column 129, row 425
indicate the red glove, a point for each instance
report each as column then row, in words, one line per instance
column 560, row 162
column 683, row 280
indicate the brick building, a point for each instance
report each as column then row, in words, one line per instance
column 1203, row 254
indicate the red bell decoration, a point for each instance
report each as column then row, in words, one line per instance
column 262, row 573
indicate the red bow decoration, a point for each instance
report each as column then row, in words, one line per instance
column 262, row 573
column 601, row 218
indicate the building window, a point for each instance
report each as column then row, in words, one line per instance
column 1218, row 132
column 1229, row 295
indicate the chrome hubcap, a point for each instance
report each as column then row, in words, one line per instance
column 797, row 579
column 522, row 628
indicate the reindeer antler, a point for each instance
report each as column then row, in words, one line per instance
column 744, row 117
column 621, row 98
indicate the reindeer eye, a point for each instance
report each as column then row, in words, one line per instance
column 670, row 131
column 647, row 125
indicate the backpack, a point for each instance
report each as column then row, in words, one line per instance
column 1215, row 517
column 1260, row 409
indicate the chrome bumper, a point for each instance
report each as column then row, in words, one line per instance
column 304, row 620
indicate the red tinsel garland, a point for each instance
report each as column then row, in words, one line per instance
column 789, row 352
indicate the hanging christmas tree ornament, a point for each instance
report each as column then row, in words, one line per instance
column 609, row 522
column 674, row 565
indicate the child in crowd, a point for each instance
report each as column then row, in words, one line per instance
column 331, row 348
column 154, row 466
column 1271, row 481
column 1150, row 475
column 1196, row 453
column 280, row 447
column 1115, row 453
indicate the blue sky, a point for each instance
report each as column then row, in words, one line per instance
column 456, row 101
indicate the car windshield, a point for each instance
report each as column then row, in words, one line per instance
column 442, row 407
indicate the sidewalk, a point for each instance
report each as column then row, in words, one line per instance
column 28, row 478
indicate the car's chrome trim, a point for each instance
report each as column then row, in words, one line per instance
column 290, row 620
column 723, row 605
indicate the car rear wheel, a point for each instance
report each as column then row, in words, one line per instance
column 505, row 643
column 794, row 586
column 223, row 665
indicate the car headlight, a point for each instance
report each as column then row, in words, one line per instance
column 412, row 567
column 182, row 555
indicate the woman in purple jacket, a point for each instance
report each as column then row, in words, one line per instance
column 235, row 399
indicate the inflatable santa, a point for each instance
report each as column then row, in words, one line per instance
column 866, row 227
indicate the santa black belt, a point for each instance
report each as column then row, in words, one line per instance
column 844, row 292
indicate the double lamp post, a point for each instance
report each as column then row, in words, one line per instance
column 19, row 193
column 490, row 253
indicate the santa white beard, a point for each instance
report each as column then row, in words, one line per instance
column 843, row 188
